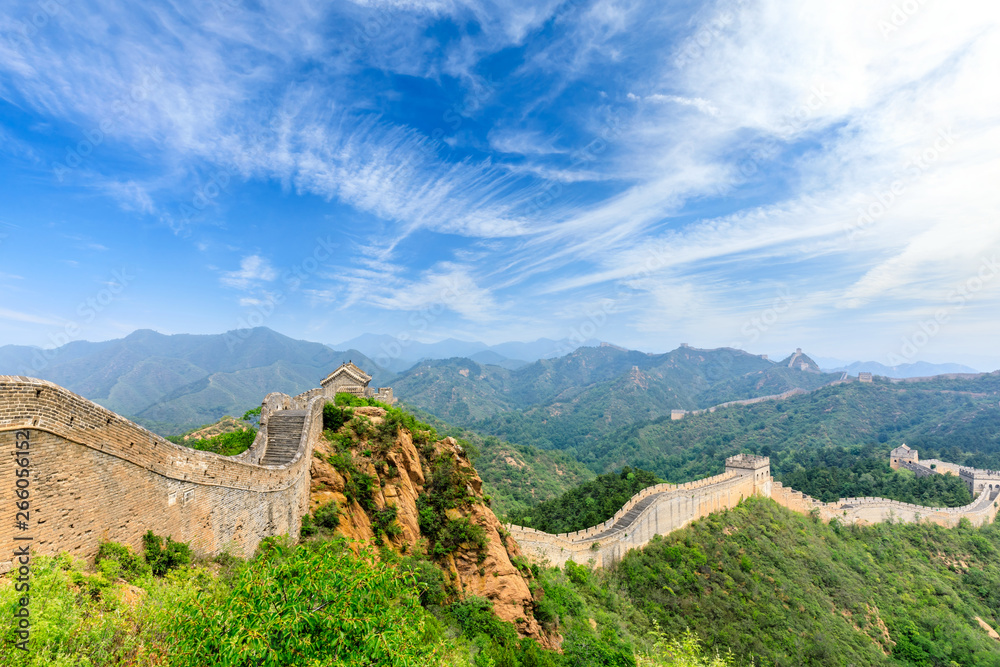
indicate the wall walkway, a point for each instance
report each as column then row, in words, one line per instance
column 96, row 476
column 656, row 510
column 661, row 509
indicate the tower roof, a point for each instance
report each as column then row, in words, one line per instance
column 347, row 371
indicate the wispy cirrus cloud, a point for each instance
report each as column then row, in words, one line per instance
column 740, row 144
column 253, row 271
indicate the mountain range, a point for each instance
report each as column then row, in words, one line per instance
column 902, row 371
column 171, row 383
column 399, row 354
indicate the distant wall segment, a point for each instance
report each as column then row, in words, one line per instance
column 656, row 510
column 663, row 508
column 97, row 476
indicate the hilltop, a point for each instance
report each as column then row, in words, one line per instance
column 954, row 419
column 173, row 383
column 593, row 390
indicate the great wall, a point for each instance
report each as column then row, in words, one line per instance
column 96, row 476
column 663, row 508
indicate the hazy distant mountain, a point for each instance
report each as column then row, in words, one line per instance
column 914, row 370
column 578, row 396
column 399, row 355
column 171, row 382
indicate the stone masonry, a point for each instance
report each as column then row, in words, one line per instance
column 661, row 509
column 96, row 476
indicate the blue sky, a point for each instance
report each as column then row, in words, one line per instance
column 766, row 175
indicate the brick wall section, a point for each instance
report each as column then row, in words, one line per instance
column 674, row 507
column 97, row 476
column 863, row 511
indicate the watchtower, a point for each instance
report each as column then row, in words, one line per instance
column 759, row 467
column 902, row 454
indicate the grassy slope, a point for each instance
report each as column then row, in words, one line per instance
column 786, row 590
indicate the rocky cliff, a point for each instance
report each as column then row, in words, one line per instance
column 394, row 485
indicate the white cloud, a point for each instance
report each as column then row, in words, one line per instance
column 253, row 270
column 26, row 317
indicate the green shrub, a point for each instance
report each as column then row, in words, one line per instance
column 455, row 533
column 226, row 444
column 384, row 523
column 162, row 558
column 328, row 515
column 131, row 566
column 334, row 417
column 306, row 605
column 360, row 487
column 308, row 528
column 429, row 579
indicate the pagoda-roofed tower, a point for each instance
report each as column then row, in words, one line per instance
column 350, row 379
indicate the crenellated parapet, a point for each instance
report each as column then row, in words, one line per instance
column 656, row 510
column 95, row 476
column 663, row 508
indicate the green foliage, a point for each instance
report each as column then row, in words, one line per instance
column 252, row 416
column 327, row 516
column 516, row 476
column 586, row 505
column 335, row 416
column 446, row 489
column 226, row 444
column 384, row 523
column 130, row 566
column 163, row 558
column 873, row 477
column 344, row 399
column 308, row 527
column 457, row 532
column 428, row 577
column 306, row 605
column 496, row 641
column 359, row 487
column 683, row 652
column 70, row 624
column 791, row 591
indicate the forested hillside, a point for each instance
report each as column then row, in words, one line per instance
column 564, row 402
column 955, row 420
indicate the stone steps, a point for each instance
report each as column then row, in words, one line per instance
column 629, row 518
column 284, row 433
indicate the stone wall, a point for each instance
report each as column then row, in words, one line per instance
column 97, row 476
column 672, row 507
column 664, row 508
column 865, row 511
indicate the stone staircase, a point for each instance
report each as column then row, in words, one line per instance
column 284, row 432
column 629, row 518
